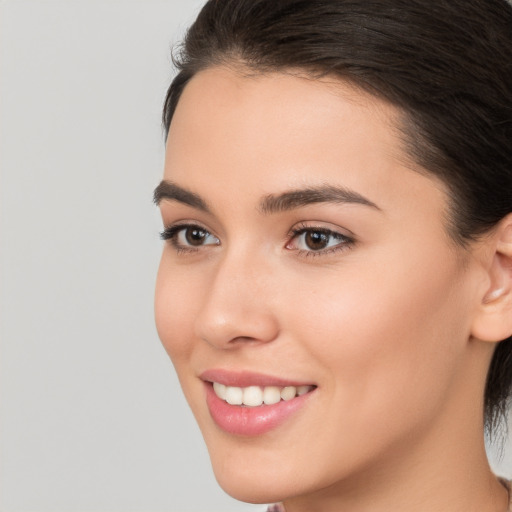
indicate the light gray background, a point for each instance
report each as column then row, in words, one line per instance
column 92, row 418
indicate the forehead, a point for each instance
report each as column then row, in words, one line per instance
column 254, row 135
column 234, row 99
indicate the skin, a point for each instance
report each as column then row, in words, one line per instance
column 383, row 325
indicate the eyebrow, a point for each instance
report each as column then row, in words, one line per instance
column 304, row 197
column 271, row 203
column 170, row 191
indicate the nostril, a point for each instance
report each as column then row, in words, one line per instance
column 239, row 325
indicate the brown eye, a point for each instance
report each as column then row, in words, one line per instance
column 189, row 236
column 316, row 240
column 195, row 236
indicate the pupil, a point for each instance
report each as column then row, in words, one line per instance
column 316, row 240
column 195, row 236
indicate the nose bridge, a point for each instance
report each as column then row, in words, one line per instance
column 237, row 301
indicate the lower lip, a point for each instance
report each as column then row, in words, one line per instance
column 251, row 421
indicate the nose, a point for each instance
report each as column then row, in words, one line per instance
column 238, row 304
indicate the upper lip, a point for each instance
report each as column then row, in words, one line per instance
column 244, row 379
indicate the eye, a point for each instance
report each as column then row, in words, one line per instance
column 189, row 236
column 195, row 236
column 318, row 240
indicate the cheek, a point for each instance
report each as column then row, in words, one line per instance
column 387, row 339
column 175, row 298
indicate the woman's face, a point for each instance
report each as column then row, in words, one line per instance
column 304, row 253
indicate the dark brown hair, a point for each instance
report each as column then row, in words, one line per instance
column 446, row 65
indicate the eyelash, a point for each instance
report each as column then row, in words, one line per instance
column 344, row 242
column 170, row 234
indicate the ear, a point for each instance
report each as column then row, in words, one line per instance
column 493, row 321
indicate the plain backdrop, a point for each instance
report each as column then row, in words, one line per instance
column 92, row 418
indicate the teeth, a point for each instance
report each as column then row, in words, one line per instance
column 234, row 396
column 220, row 390
column 254, row 396
column 302, row 390
column 271, row 395
column 288, row 392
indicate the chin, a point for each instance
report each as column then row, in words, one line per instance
column 256, row 471
column 263, row 486
column 251, row 471
column 250, row 493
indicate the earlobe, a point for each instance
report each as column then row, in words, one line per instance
column 493, row 321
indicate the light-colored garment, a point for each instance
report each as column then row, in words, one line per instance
column 278, row 507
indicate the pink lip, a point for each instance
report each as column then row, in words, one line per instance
column 245, row 379
column 249, row 421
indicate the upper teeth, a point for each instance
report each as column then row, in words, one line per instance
column 256, row 395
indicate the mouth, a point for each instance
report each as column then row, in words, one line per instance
column 249, row 404
column 256, row 396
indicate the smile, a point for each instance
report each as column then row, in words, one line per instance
column 255, row 396
column 252, row 404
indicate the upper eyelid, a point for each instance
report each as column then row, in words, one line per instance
column 294, row 230
column 335, row 234
column 329, row 231
column 182, row 224
column 171, row 230
column 321, row 226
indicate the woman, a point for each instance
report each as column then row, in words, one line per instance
column 336, row 288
